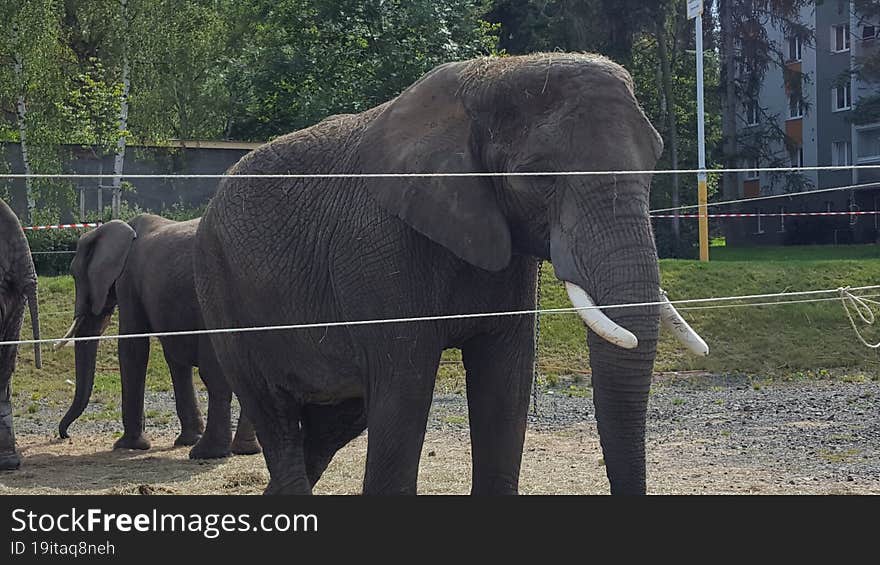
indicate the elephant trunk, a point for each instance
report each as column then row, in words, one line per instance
column 622, row 377
column 610, row 259
column 35, row 324
column 86, row 353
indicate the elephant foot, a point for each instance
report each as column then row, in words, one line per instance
column 128, row 442
column 187, row 438
column 9, row 461
column 208, row 449
column 246, row 447
column 292, row 487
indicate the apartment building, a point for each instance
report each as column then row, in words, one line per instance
column 820, row 132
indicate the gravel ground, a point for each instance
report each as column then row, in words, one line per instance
column 706, row 434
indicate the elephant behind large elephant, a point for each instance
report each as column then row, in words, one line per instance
column 18, row 284
column 144, row 268
column 310, row 250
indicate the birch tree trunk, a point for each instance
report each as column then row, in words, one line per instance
column 728, row 126
column 119, row 160
column 671, row 123
column 21, row 115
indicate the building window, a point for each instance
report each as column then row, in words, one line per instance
column 760, row 222
column 796, row 156
column 795, row 107
column 841, row 97
column 795, row 49
column 781, row 219
column 868, row 145
column 841, row 154
column 840, row 38
column 869, row 32
column 753, row 166
column 752, row 112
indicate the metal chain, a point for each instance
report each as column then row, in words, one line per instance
column 537, row 339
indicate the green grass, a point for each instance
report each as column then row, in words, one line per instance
column 788, row 341
column 796, row 253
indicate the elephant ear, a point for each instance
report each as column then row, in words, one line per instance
column 427, row 130
column 99, row 260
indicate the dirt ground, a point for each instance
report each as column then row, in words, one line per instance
column 717, row 435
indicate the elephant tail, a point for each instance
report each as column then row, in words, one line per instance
column 35, row 324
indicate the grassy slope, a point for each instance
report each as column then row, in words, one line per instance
column 771, row 340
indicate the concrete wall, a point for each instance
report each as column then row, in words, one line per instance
column 154, row 195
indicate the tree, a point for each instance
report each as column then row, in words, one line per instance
column 31, row 77
column 867, row 109
column 302, row 60
column 748, row 53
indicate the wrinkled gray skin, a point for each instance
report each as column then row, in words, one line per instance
column 18, row 284
column 281, row 251
column 145, row 269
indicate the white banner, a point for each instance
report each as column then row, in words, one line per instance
column 695, row 8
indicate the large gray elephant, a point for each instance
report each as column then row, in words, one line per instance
column 278, row 251
column 18, row 284
column 144, row 268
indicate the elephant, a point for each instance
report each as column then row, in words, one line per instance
column 145, row 268
column 18, row 284
column 371, row 247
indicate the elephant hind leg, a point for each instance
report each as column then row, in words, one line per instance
column 328, row 429
column 276, row 418
column 214, row 443
column 245, row 440
column 282, row 442
column 9, row 457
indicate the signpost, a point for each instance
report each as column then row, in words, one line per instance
column 695, row 12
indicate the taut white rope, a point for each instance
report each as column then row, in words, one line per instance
column 434, row 318
column 431, row 175
column 771, row 197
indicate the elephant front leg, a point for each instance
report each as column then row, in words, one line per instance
column 397, row 415
column 191, row 425
column 133, row 357
column 499, row 374
column 9, row 458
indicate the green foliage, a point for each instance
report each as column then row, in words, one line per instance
column 303, row 60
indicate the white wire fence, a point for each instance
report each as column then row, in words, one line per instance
column 849, row 300
column 842, row 293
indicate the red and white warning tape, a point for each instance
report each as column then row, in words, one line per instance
column 769, row 214
column 62, row 227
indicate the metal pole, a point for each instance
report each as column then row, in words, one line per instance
column 702, row 191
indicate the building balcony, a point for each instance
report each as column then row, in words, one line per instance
column 867, row 152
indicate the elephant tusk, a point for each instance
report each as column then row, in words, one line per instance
column 599, row 322
column 70, row 333
column 672, row 320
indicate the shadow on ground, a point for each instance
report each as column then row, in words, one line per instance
column 65, row 466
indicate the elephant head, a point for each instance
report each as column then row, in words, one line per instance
column 99, row 261
column 553, row 112
column 18, row 283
